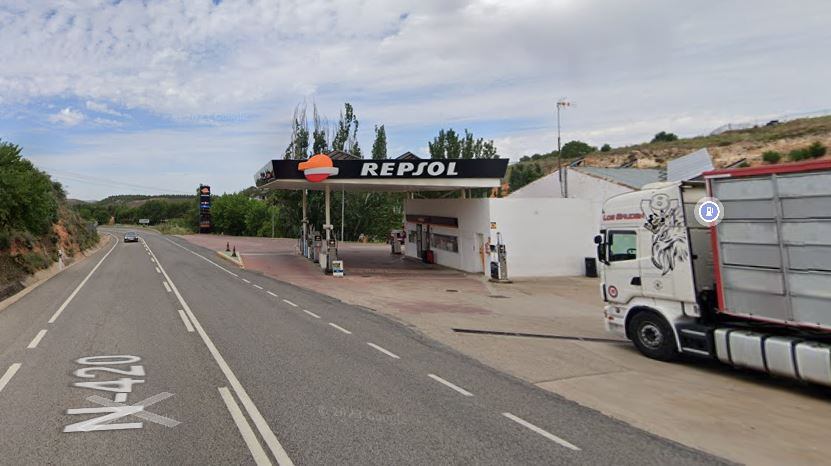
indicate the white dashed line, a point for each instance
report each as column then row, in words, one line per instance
column 453, row 386
column 311, row 314
column 157, row 270
column 272, row 294
column 385, row 351
column 545, row 434
column 258, row 287
column 202, row 257
column 260, row 456
column 184, row 318
column 166, row 286
column 84, row 282
column 8, row 375
column 152, row 260
column 246, row 281
column 340, row 328
column 256, row 416
column 289, row 303
column 36, row 340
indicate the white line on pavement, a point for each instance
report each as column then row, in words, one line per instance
column 203, row 257
column 385, row 351
column 246, row 281
column 254, row 413
column 289, row 303
column 545, row 434
column 157, row 270
column 36, row 340
column 272, row 294
column 311, row 314
column 8, row 375
column 83, row 282
column 453, row 386
column 120, row 397
column 340, row 328
column 260, row 456
column 258, row 287
column 166, row 286
column 188, row 326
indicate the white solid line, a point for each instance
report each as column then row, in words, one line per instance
column 453, row 386
column 387, row 352
column 246, row 281
column 272, row 294
column 545, row 434
column 166, row 286
column 289, row 303
column 340, row 328
column 188, row 326
column 203, row 257
column 260, row 456
column 258, row 287
column 311, row 314
column 84, row 282
column 8, row 375
column 157, row 270
column 36, row 340
column 254, row 413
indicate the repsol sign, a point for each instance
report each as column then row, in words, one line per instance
column 384, row 169
column 435, row 168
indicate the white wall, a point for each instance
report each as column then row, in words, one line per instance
column 545, row 237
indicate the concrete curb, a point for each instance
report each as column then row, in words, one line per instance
column 236, row 260
column 42, row 276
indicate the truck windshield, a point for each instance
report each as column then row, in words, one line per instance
column 623, row 245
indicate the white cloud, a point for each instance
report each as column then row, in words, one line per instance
column 67, row 116
column 102, row 108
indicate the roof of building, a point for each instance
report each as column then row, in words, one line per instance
column 689, row 166
column 635, row 178
column 408, row 156
column 341, row 155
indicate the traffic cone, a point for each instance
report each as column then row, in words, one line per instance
column 227, row 247
column 234, row 254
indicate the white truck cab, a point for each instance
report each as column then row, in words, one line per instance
column 649, row 259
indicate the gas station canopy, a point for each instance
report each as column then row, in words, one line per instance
column 320, row 171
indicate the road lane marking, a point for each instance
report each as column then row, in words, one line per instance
column 258, row 287
column 188, row 326
column 272, row 294
column 385, row 351
column 311, row 314
column 340, row 328
column 8, row 375
column 246, row 281
column 257, row 452
column 289, row 303
column 203, row 257
column 84, row 282
column 157, row 270
column 259, row 421
column 544, row 433
column 451, row 385
column 166, row 286
column 36, row 340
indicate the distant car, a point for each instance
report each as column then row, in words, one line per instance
column 131, row 237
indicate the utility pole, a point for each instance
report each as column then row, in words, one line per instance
column 272, row 221
column 342, row 204
column 561, row 170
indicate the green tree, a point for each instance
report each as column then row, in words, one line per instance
column 605, row 148
column 663, row 136
column 228, row 214
column 346, row 135
column 379, row 147
column 28, row 197
column 298, row 147
column 448, row 145
column 320, row 144
column 576, row 149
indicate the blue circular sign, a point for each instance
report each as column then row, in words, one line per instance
column 709, row 211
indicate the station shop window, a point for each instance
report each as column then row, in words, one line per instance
column 411, row 236
column 444, row 242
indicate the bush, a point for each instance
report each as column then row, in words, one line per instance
column 605, row 148
column 744, row 164
column 663, row 136
column 799, row 154
column 771, row 156
column 816, row 150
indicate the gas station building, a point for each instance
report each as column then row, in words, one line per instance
column 499, row 237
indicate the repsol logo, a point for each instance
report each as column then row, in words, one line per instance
column 409, row 169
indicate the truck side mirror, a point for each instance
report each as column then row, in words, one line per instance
column 601, row 249
column 598, row 239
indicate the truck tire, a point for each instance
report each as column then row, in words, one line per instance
column 653, row 336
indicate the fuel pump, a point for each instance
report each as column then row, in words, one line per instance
column 499, row 267
column 318, row 239
column 331, row 252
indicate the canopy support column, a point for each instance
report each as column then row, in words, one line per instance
column 304, row 232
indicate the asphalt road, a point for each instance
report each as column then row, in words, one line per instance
column 210, row 364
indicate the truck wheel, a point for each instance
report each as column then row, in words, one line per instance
column 653, row 336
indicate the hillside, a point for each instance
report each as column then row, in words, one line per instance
column 728, row 148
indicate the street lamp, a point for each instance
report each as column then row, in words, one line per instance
column 561, row 170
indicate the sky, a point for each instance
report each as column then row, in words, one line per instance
column 121, row 97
